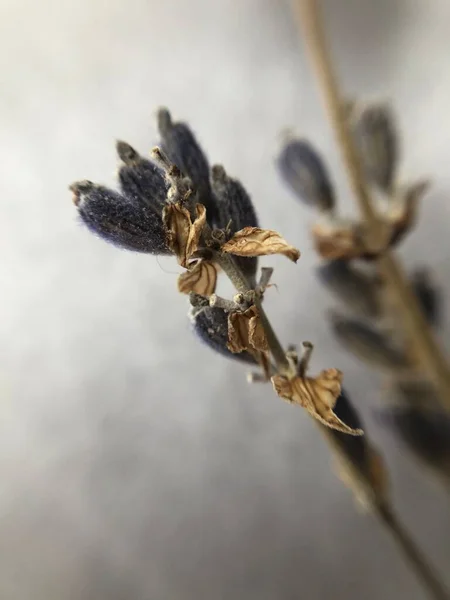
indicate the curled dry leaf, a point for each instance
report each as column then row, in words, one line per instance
column 253, row 241
column 245, row 331
column 317, row 395
column 200, row 278
column 183, row 235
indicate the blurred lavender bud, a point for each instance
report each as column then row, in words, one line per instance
column 211, row 326
column 428, row 296
column 179, row 144
column 403, row 209
column 426, row 432
column 141, row 181
column 235, row 209
column 368, row 344
column 304, row 171
column 376, row 139
column 354, row 447
column 360, row 465
column 119, row 221
column 357, row 290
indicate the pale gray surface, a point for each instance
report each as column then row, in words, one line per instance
column 134, row 463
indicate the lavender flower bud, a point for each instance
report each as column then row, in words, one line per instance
column 304, row 171
column 355, row 447
column 141, row 181
column 358, row 291
column 425, row 431
column 376, row 140
column 119, row 221
column 235, row 209
column 368, row 344
column 179, row 144
column 428, row 296
column 211, row 326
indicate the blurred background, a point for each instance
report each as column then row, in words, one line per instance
column 134, row 462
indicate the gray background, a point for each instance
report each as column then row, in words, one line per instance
column 134, row 463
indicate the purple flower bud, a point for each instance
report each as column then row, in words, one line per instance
column 119, row 221
column 235, row 210
column 181, row 147
column 357, row 290
column 367, row 344
column 211, row 326
column 376, row 140
column 355, row 447
column 428, row 296
column 141, row 181
column 304, row 171
column 425, row 431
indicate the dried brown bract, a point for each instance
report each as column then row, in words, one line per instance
column 245, row 331
column 253, row 241
column 200, row 278
column 183, row 234
column 317, row 395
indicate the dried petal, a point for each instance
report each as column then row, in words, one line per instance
column 317, row 395
column 235, row 211
column 356, row 289
column 245, row 331
column 200, row 278
column 141, row 181
column 428, row 295
column 402, row 213
column 304, row 171
column 211, row 326
column 375, row 136
column 180, row 145
column 119, row 221
column 183, row 236
column 368, row 344
column 253, row 241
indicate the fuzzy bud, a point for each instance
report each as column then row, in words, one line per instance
column 119, row 221
column 304, row 171
column 235, row 209
column 141, row 181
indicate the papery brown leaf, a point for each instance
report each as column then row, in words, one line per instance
column 200, row 278
column 195, row 231
column 253, row 241
column 245, row 331
column 182, row 235
column 350, row 240
column 338, row 242
column 317, row 395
